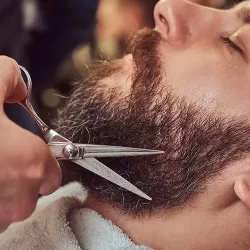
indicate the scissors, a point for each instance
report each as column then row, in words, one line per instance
column 83, row 154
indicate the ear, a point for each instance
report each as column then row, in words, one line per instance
column 242, row 189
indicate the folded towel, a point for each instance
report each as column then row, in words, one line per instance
column 61, row 222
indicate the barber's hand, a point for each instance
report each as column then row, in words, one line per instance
column 27, row 166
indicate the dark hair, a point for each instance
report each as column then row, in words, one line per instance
column 198, row 144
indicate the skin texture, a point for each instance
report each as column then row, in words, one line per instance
column 27, row 167
column 199, row 67
column 203, row 69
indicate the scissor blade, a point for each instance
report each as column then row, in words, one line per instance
column 100, row 169
column 115, row 151
column 116, row 154
column 93, row 151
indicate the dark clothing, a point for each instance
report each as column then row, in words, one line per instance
column 68, row 23
column 12, row 35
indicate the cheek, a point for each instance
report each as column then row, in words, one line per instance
column 210, row 80
column 194, row 77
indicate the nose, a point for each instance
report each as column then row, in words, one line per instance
column 179, row 21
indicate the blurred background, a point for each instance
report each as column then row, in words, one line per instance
column 59, row 39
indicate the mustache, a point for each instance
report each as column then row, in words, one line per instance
column 144, row 45
column 147, row 65
column 148, row 71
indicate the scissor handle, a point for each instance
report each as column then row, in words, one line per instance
column 27, row 80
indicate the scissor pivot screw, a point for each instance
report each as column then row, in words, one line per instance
column 70, row 151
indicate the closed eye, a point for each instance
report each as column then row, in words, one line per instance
column 229, row 43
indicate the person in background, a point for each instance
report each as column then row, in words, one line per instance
column 119, row 20
column 61, row 27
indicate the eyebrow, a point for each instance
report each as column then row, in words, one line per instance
column 244, row 14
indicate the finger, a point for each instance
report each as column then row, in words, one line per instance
column 20, row 205
column 53, row 178
column 11, row 83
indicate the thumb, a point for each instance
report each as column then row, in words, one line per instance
column 12, row 86
column 53, row 178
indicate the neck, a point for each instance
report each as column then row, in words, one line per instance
column 190, row 228
column 169, row 231
column 200, row 224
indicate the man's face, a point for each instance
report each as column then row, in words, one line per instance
column 205, row 54
column 183, row 89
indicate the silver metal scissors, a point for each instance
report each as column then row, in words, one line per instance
column 83, row 154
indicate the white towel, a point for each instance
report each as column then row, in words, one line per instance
column 61, row 222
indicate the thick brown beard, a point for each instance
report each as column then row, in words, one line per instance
column 197, row 146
